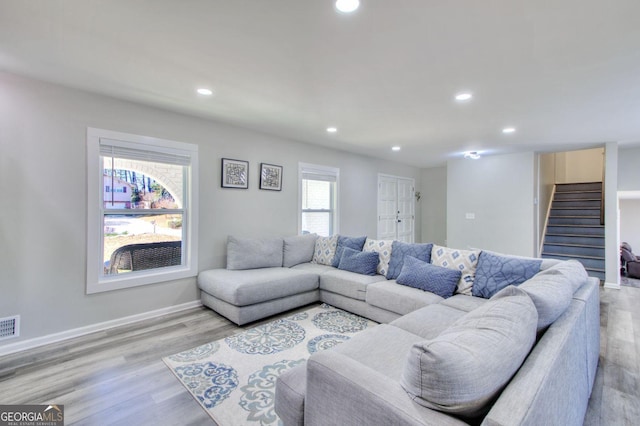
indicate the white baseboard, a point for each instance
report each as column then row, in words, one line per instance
column 77, row 332
column 614, row 286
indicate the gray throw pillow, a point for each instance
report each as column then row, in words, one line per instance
column 468, row 364
column 495, row 272
column 425, row 276
column 400, row 250
column 355, row 243
column 249, row 253
column 360, row 262
column 552, row 289
column 298, row 249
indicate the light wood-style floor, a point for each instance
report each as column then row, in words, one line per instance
column 117, row 377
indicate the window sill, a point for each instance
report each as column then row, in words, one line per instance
column 136, row 279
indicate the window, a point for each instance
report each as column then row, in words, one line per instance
column 318, row 199
column 142, row 224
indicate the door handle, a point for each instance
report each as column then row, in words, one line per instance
column 399, row 220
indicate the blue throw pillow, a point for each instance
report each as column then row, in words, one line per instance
column 425, row 276
column 398, row 252
column 495, row 272
column 361, row 262
column 355, row 243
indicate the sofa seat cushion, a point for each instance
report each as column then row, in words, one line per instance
column 242, row 288
column 348, row 283
column 466, row 366
column 428, row 322
column 398, row 298
column 464, row 302
column 314, row 268
column 382, row 348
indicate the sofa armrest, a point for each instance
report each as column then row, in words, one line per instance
column 340, row 390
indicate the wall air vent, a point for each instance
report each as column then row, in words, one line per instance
column 9, row 327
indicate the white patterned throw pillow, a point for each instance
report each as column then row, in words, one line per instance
column 325, row 250
column 462, row 260
column 383, row 248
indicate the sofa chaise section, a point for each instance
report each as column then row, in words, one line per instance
column 246, row 296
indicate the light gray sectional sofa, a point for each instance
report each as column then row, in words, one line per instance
column 523, row 354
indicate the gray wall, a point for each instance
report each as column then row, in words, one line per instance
column 630, row 223
column 43, row 184
column 433, row 203
column 499, row 191
column 629, row 169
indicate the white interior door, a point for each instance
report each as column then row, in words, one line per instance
column 387, row 207
column 396, row 208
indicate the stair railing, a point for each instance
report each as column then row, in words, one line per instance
column 604, row 165
column 546, row 221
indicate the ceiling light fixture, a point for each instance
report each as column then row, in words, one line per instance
column 509, row 130
column 473, row 155
column 347, row 6
column 332, row 129
column 205, row 92
column 463, row 96
column 395, row 148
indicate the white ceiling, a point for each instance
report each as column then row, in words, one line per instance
column 565, row 73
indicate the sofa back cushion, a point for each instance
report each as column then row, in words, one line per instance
column 298, row 249
column 400, row 250
column 355, row 243
column 325, row 250
column 495, row 272
column 361, row 262
column 250, row 253
column 462, row 260
column 383, row 248
column 467, row 365
column 425, row 276
column 552, row 290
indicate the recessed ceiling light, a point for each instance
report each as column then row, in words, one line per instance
column 473, row 155
column 508, row 130
column 206, row 92
column 347, row 6
column 395, row 148
column 463, row 96
column 332, row 129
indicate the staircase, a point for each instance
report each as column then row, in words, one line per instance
column 574, row 230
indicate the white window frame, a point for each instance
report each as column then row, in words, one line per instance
column 315, row 169
column 98, row 282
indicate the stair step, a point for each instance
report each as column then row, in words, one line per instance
column 581, row 186
column 577, row 195
column 588, row 240
column 575, row 212
column 588, row 261
column 570, row 256
column 584, row 203
column 573, row 220
column 575, row 245
column 573, row 249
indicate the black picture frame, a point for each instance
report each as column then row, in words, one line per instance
column 270, row 177
column 235, row 174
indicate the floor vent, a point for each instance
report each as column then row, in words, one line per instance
column 9, row 327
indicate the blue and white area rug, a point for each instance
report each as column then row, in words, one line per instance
column 234, row 378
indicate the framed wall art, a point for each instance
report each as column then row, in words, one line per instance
column 270, row 177
column 235, row 173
